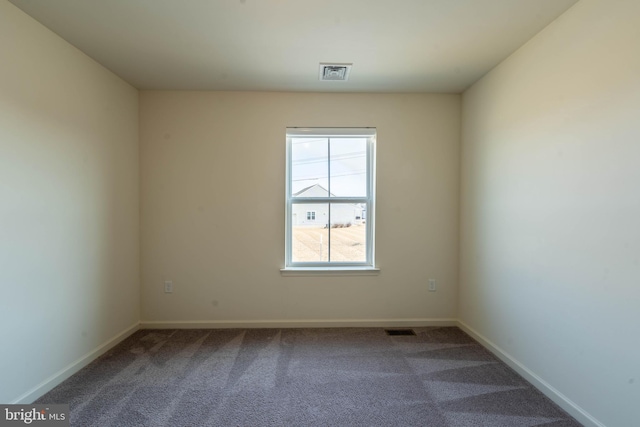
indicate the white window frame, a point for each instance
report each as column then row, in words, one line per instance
column 368, row 200
column 311, row 215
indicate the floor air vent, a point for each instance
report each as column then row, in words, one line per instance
column 401, row 332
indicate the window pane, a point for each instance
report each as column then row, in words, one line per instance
column 309, row 234
column 349, row 167
column 348, row 234
column 326, row 164
column 309, row 167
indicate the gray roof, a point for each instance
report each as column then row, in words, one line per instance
column 310, row 187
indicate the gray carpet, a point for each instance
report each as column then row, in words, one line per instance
column 303, row 377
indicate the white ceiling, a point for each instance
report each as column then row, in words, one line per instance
column 395, row 46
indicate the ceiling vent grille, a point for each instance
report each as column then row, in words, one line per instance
column 335, row 72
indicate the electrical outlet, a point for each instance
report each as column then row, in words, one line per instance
column 432, row 285
column 168, row 287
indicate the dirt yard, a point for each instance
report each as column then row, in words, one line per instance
column 312, row 244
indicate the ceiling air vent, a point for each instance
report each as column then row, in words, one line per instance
column 335, row 72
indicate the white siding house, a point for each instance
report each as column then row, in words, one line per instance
column 317, row 214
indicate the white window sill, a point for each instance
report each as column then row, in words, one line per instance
column 330, row 271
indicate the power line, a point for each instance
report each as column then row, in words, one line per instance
column 324, row 159
column 332, row 176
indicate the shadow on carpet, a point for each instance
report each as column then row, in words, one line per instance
column 303, row 377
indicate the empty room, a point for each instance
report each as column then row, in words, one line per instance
column 331, row 213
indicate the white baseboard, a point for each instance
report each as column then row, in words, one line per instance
column 74, row 367
column 320, row 323
column 558, row 398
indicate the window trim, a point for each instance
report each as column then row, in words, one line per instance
column 368, row 201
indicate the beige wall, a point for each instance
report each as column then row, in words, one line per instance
column 550, row 252
column 212, row 186
column 69, row 252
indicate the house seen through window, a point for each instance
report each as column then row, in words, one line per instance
column 330, row 197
